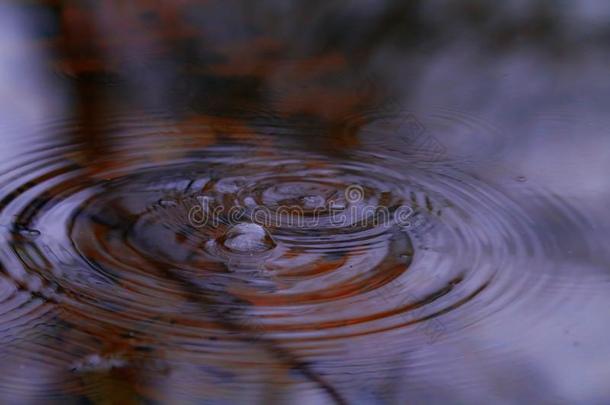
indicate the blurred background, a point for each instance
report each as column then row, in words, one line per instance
column 533, row 70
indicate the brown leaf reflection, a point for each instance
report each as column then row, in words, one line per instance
column 108, row 50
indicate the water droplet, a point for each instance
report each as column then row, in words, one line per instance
column 27, row 233
column 247, row 238
column 313, row 201
column 97, row 363
column 167, row 203
column 406, row 256
column 250, row 202
column 337, row 205
column 521, row 179
column 230, row 186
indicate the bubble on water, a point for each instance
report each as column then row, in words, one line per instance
column 247, row 238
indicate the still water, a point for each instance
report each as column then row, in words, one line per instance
column 262, row 219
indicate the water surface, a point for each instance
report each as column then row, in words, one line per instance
column 295, row 221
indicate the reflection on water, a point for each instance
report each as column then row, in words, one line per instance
column 237, row 210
